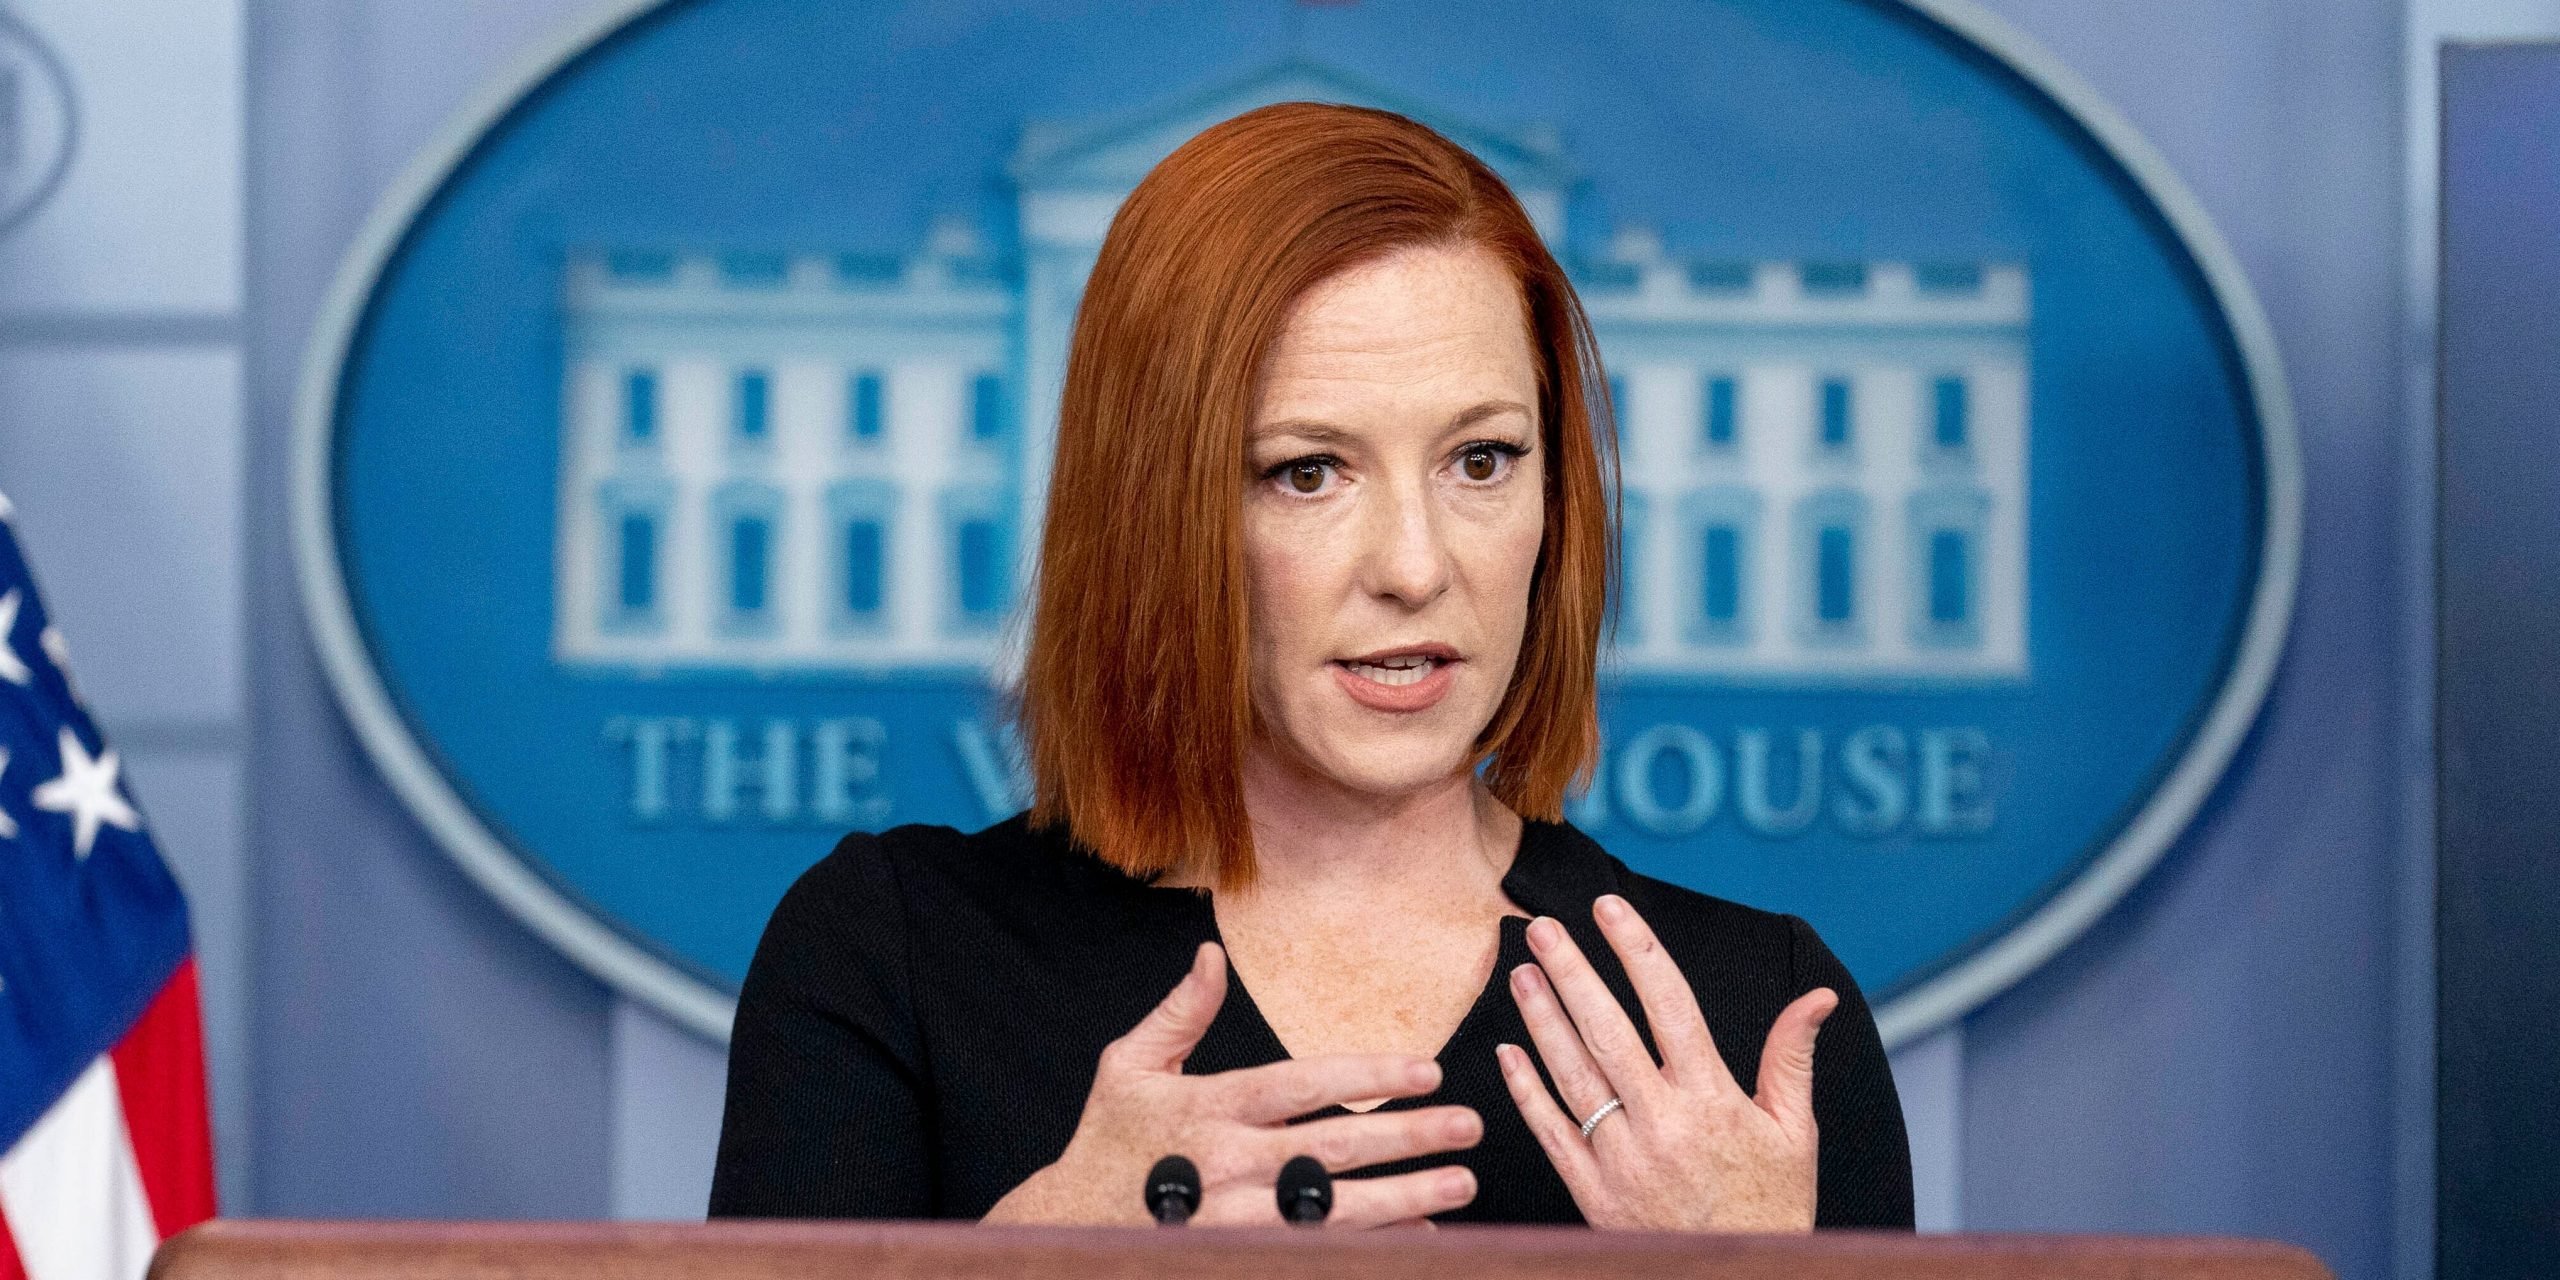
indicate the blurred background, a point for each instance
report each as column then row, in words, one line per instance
column 2242, row 1045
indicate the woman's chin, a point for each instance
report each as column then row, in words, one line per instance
column 1391, row 769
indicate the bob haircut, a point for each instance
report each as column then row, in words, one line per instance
column 1135, row 702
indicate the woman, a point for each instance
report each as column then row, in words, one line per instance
column 1309, row 673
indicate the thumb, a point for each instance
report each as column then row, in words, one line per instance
column 1165, row 1037
column 1786, row 1059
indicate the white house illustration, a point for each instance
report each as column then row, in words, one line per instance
column 793, row 460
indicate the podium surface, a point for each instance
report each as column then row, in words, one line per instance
column 281, row 1250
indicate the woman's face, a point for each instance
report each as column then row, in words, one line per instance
column 1395, row 495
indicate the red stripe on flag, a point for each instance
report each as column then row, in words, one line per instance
column 160, row 1074
column 11, row 1268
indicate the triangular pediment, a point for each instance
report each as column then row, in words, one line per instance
column 1113, row 152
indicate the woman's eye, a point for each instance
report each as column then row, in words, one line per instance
column 1485, row 462
column 1305, row 476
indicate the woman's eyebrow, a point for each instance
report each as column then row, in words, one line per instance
column 1489, row 409
column 1316, row 431
column 1308, row 429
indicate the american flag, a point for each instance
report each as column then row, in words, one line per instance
column 104, row 1146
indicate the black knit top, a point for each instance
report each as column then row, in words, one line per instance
column 921, row 1023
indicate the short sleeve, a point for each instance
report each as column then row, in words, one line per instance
column 825, row 1115
column 1864, row 1169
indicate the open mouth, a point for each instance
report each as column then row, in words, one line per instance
column 1412, row 678
column 1396, row 672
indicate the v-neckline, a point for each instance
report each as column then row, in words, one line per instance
column 1251, row 1033
column 1240, row 1036
column 1557, row 872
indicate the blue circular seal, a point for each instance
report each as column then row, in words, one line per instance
column 671, row 448
column 39, row 122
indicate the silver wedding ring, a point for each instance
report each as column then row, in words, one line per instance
column 1598, row 1116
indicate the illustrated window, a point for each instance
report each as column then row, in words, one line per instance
column 866, row 406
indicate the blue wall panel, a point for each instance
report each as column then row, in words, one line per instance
column 2215, row 1055
column 419, row 1053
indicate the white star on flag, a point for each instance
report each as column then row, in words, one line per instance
column 12, row 668
column 59, row 649
column 87, row 791
column 8, row 825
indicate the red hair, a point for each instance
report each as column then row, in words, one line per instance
column 1135, row 701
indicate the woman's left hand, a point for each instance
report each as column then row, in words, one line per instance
column 1686, row 1149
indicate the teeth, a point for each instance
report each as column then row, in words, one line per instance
column 1395, row 671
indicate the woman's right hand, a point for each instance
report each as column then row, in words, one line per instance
column 1234, row 1126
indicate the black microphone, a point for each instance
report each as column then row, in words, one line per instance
column 1173, row 1191
column 1305, row 1191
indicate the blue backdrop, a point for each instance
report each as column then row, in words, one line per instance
column 1742, row 130
column 2217, row 1054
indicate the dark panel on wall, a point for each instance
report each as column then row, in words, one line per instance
column 2499, row 677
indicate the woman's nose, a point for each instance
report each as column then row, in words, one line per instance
column 1408, row 556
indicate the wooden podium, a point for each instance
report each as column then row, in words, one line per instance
column 276, row 1250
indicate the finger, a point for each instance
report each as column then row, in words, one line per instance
column 1164, row 1038
column 1577, row 1077
column 1606, row 1032
column 1670, row 1005
column 1287, row 1090
column 1557, row 1134
column 1238, row 1204
column 1786, row 1059
column 1350, row 1142
column 1375, row 1202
